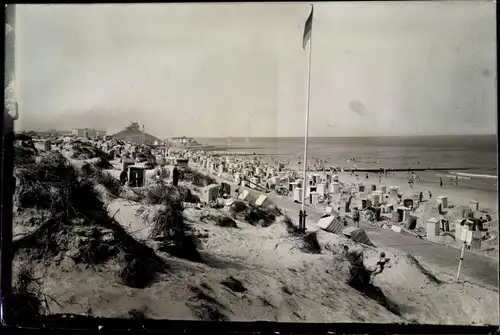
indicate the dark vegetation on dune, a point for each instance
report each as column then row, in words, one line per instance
column 221, row 221
column 255, row 215
column 24, row 155
column 103, row 163
column 169, row 228
column 86, row 150
column 206, row 307
column 78, row 230
column 196, row 178
column 96, row 174
column 27, row 301
column 310, row 243
column 40, row 183
column 226, row 222
column 359, row 278
column 146, row 157
column 162, row 193
column 291, row 228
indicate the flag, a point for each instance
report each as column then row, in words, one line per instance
column 307, row 29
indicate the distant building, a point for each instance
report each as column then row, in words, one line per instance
column 133, row 134
column 52, row 132
column 184, row 140
column 80, row 132
column 134, row 126
column 101, row 133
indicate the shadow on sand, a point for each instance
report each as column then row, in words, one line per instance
column 218, row 263
column 375, row 293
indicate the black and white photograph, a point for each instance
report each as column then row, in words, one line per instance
column 329, row 162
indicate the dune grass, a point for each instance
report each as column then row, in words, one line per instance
column 78, row 227
column 255, row 215
column 97, row 175
column 162, row 193
column 196, row 178
column 310, row 243
column 291, row 228
column 27, row 300
column 87, row 150
column 170, row 228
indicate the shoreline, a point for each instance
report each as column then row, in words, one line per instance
column 461, row 194
column 473, row 173
column 314, row 213
column 267, row 260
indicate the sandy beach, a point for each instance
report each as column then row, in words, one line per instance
column 487, row 199
column 239, row 267
column 207, row 163
column 458, row 200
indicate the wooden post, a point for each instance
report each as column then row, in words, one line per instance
column 303, row 227
column 300, row 220
column 461, row 259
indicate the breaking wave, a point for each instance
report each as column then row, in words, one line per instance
column 486, row 176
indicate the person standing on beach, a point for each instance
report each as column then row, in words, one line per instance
column 440, row 182
column 355, row 216
column 456, row 181
column 410, row 183
column 430, row 195
column 175, row 176
column 123, row 177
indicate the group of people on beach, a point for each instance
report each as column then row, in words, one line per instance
column 441, row 181
column 413, row 179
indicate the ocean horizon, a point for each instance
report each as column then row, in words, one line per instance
column 486, row 142
column 476, row 153
column 382, row 136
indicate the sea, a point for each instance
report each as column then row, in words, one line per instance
column 473, row 158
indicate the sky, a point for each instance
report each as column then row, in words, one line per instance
column 239, row 70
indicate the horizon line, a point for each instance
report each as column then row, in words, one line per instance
column 352, row 136
column 244, row 137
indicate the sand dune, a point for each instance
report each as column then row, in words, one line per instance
column 251, row 272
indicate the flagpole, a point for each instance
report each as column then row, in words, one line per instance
column 143, row 135
column 304, row 183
